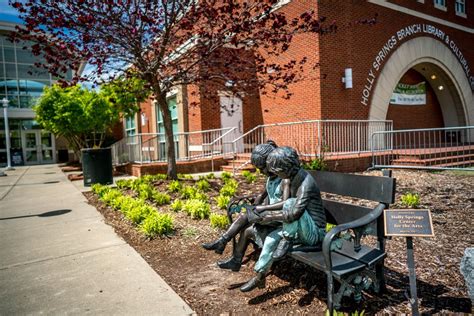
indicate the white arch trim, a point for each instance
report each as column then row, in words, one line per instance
column 411, row 53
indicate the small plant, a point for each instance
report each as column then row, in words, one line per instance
column 156, row 224
column 160, row 198
column 185, row 176
column 124, row 183
column 411, row 200
column 174, row 186
column 211, row 176
column 203, row 185
column 188, row 192
column 145, row 191
column 138, row 213
column 316, row 164
column 110, row 195
column 160, row 176
column 197, row 209
column 177, row 205
column 222, row 201
column 229, row 188
column 226, row 176
column 249, row 176
column 190, row 232
column 201, row 196
column 219, row 221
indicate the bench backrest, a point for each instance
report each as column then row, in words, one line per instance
column 373, row 188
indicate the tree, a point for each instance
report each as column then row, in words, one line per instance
column 166, row 43
column 84, row 117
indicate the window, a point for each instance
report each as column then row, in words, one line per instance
column 440, row 4
column 130, row 125
column 460, row 7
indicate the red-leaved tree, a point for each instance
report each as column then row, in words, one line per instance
column 232, row 43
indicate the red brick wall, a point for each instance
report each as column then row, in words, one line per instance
column 416, row 116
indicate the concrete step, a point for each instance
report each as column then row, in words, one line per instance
column 446, row 160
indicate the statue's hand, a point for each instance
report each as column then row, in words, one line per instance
column 252, row 215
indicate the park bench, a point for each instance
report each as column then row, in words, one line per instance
column 356, row 263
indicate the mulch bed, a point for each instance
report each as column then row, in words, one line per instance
column 292, row 287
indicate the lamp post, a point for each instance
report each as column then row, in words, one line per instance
column 7, row 133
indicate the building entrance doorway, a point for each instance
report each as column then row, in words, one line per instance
column 232, row 116
column 38, row 147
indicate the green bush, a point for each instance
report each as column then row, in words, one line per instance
column 203, row 185
column 100, row 189
column 185, row 176
column 145, row 191
column 201, row 196
column 160, row 198
column 188, row 192
column 110, row 195
column 197, row 209
column 130, row 203
column 174, row 186
column 156, row 224
column 210, row 176
column 411, row 200
column 249, row 176
column 124, row 183
column 219, row 221
column 138, row 213
column 160, row 176
column 177, row 205
column 226, row 176
column 229, row 188
column 316, row 164
column 222, row 201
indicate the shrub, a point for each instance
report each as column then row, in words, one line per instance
column 203, row 185
column 226, row 176
column 229, row 188
column 157, row 224
column 250, row 177
column 222, row 201
column 410, row 200
column 188, row 192
column 100, row 189
column 145, row 191
column 316, row 164
column 210, row 176
column 174, row 186
column 219, row 221
column 110, row 195
column 138, row 213
column 197, row 209
column 130, row 203
column 201, row 196
column 177, row 205
column 160, row 176
column 160, row 198
column 124, row 183
column 185, row 176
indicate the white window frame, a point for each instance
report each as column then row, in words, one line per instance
column 440, row 6
column 460, row 13
column 134, row 128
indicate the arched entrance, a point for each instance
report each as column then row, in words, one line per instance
column 440, row 67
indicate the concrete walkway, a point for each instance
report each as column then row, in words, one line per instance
column 57, row 256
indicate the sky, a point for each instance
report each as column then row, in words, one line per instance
column 7, row 13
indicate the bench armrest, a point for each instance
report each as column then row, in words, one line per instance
column 364, row 220
column 249, row 199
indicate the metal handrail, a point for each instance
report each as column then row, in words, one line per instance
column 215, row 141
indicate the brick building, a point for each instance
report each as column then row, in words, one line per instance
column 413, row 41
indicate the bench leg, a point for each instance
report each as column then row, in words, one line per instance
column 380, row 275
column 330, row 293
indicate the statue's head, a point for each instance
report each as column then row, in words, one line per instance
column 260, row 154
column 284, row 162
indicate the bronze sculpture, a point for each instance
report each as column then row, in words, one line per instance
column 302, row 215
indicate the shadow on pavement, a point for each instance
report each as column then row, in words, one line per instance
column 46, row 214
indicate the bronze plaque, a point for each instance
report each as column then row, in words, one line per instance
column 408, row 223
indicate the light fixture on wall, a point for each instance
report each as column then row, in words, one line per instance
column 347, row 79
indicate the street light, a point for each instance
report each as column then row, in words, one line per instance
column 7, row 132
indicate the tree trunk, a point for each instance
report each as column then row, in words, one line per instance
column 169, row 137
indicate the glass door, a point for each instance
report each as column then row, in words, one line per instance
column 38, row 147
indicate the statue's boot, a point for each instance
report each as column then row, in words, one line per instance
column 232, row 263
column 218, row 245
column 282, row 249
column 253, row 283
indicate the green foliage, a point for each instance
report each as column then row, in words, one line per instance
column 124, row 183
column 210, row 176
column 219, row 221
column 188, row 192
column 190, row 232
column 201, row 196
column 222, row 201
column 229, row 188
column 156, row 224
column 138, row 213
column 160, row 198
column 197, row 209
column 177, row 205
column 203, row 185
column 81, row 116
column 110, row 195
column 316, row 164
column 145, row 191
column 249, row 176
column 174, row 186
column 99, row 189
column 226, row 176
column 185, row 176
column 411, row 200
column 336, row 313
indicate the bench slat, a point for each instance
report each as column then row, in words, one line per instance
column 380, row 189
column 340, row 213
column 342, row 265
column 366, row 255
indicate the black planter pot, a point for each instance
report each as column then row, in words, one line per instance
column 97, row 166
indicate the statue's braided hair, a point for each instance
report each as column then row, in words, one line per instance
column 283, row 159
column 261, row 152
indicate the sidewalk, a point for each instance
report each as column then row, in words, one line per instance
column 57, row 256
